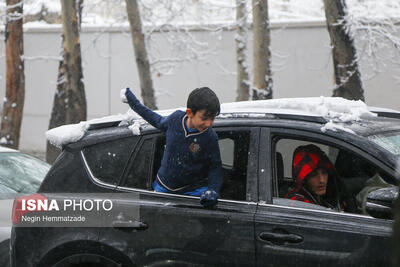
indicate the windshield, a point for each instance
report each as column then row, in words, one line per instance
column 389, row 141
column 20, row 173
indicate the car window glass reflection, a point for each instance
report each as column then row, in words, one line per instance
column 107, row 160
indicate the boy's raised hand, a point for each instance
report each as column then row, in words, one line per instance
column 122, row 95
column 209, row 198
column 126, row 95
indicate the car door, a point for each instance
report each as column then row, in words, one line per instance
column 155, row 228
column 290, row 232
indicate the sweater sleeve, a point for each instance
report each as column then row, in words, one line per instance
column 147, row 114
column 215, row 176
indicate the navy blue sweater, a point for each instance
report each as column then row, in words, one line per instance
column 188, row 157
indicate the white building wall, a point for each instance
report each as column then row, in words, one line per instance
column 301, row 61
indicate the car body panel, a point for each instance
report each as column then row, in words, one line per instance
column 180, row 230
column 326, row 237
column 154, row 229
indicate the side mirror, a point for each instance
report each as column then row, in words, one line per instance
column 381, row 201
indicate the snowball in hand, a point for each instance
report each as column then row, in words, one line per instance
column 122, row 95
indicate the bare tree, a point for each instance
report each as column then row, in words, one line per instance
column 142, row 61
column 345, row 61
column 69, row 105
column 262, row 54
column 243, row 84
column 58, row 112
column 15, row 79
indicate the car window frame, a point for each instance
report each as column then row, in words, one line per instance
column 97, row 180
column 268, row 134
column 252, row 165
column 134, row 153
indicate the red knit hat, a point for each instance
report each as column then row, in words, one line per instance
column 306, row 159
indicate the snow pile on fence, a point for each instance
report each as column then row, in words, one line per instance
column 208, row 11
column 334, row 110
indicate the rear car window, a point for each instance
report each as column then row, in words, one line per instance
column 107, row 160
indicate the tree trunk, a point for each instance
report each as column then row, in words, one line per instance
column 75, row 90
column 345, row 61
column 262, row 54
column 243, row 83
column 142, row 62
column 15, row 79
column 58, row 112
column 69, row 105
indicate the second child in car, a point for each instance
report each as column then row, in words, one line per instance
column 315, row 178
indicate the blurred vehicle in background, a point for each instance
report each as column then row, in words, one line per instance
column 19, row 174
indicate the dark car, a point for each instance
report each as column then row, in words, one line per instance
column 253, row 223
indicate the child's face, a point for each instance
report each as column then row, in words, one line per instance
column 198, row 121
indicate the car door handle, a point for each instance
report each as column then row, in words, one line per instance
column 280, row 237
column 130, row 225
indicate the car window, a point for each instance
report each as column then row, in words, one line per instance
column 234, row 148
column 139, row 173
column 107, row 160
column 355, row 176
column 286, row 148
column 389, row 141
column 20, row 173
column 226, row 147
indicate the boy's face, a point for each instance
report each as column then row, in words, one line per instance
column 198, row 121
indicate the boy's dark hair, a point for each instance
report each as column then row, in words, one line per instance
column 204, row 98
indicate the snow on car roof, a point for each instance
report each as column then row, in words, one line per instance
column 330, row 108
column 6, row 149
column 335, row 110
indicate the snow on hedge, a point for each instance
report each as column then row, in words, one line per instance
column 334, row 110
column 209, row 11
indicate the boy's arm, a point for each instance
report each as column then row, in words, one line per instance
column 150, row 116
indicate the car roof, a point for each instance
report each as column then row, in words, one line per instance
column 341, row 114
column 374, row 126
